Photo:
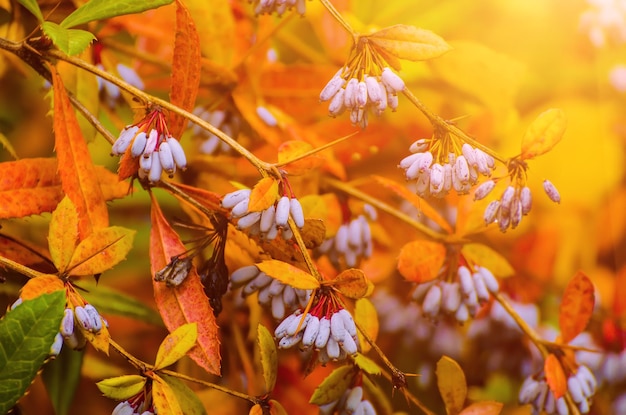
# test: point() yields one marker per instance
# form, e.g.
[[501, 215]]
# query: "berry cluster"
[[224, 120], [357, 92], [333, 333], [461, 297], [580, 385], [352, 241], [350, 403], [150, 139], [438, 167], [278, 6], [134, 407], [271, 292], [268, 222]]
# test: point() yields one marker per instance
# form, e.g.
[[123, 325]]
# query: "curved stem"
[[228, 391], [140, 365], [339, 18], [19, 268]]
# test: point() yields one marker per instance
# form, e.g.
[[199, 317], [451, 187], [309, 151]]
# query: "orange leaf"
[[291, 150], [63, 233], [263, 195], [415, 200], [101, 251], [409, 42], [420, 260], [79, 179], [23, 253], [288, 274], [41, 285], [185, 68], [483, 408], [544, 133], [210, 200], [186, 303], [352, 283], [128, 166], [555, 376], [576, 306], [325, 207]]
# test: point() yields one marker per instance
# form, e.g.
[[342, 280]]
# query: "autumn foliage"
[[312, 206]]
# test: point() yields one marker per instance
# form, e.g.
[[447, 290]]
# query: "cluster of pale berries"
[[111, 90], [157, 149], [86, 317], [436, 177], [461, 298], [360, 94], [333, 334], [352, 241], [605, 22], [223, 120], [267, 222], [271, 292], [613, 368], [514, 203], [129, 408], [278, 6], [581, 387], [350, 403]]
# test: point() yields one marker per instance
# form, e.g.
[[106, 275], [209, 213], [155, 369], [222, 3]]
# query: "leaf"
[[263, 194], [104, 9], [216, 29], [366, 315], [78, 175], [122, 388], [352, 283], [269, 357], [415, 200], [33, 7], [61, 377], [452, 385], [257, 409], [176, 345], [419, 261], [23, 253], [290, 150], [555, 376], [334, 386], [276, 408], [188, 400], [409, 42], [165, 400], [325, 207], [84, 86], [484, 256], [483, 408], [576, 306], [45, 284], [63, 233], [100, 340], [367, 365], [27, 332], [101, 250], [185, 68], [70, 41], [186, 303], [4, 141], [544, 133], [288, 274]]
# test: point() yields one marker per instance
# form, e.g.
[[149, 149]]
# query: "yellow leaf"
[[352, 283], [334, 386], [409, 42], [101, 250], [121, 388], [452, 385], [269, 357], [216, 28], [190, 403], [276, 408], [63, 233], [555, 377], [164, 398], [483, 408], [256, 410], [288, 274], [544, 133], [100, 340], [419, 261], [263, 195], [176, 345], [367, 365], [325, 207], [484, 256], [366, 316]]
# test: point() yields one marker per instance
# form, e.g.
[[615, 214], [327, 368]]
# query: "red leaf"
[[186, 303], [576, 307], [24, 254], [79, 179], [555, 376], [185, 67]]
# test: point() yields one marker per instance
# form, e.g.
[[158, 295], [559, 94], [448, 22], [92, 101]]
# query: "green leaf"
[[122, 388], [110, 301], [269, 356], [189, 402], [70, 41], [33, 7], [104, 9], [61, 377], [333, 387], [26, 334]]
